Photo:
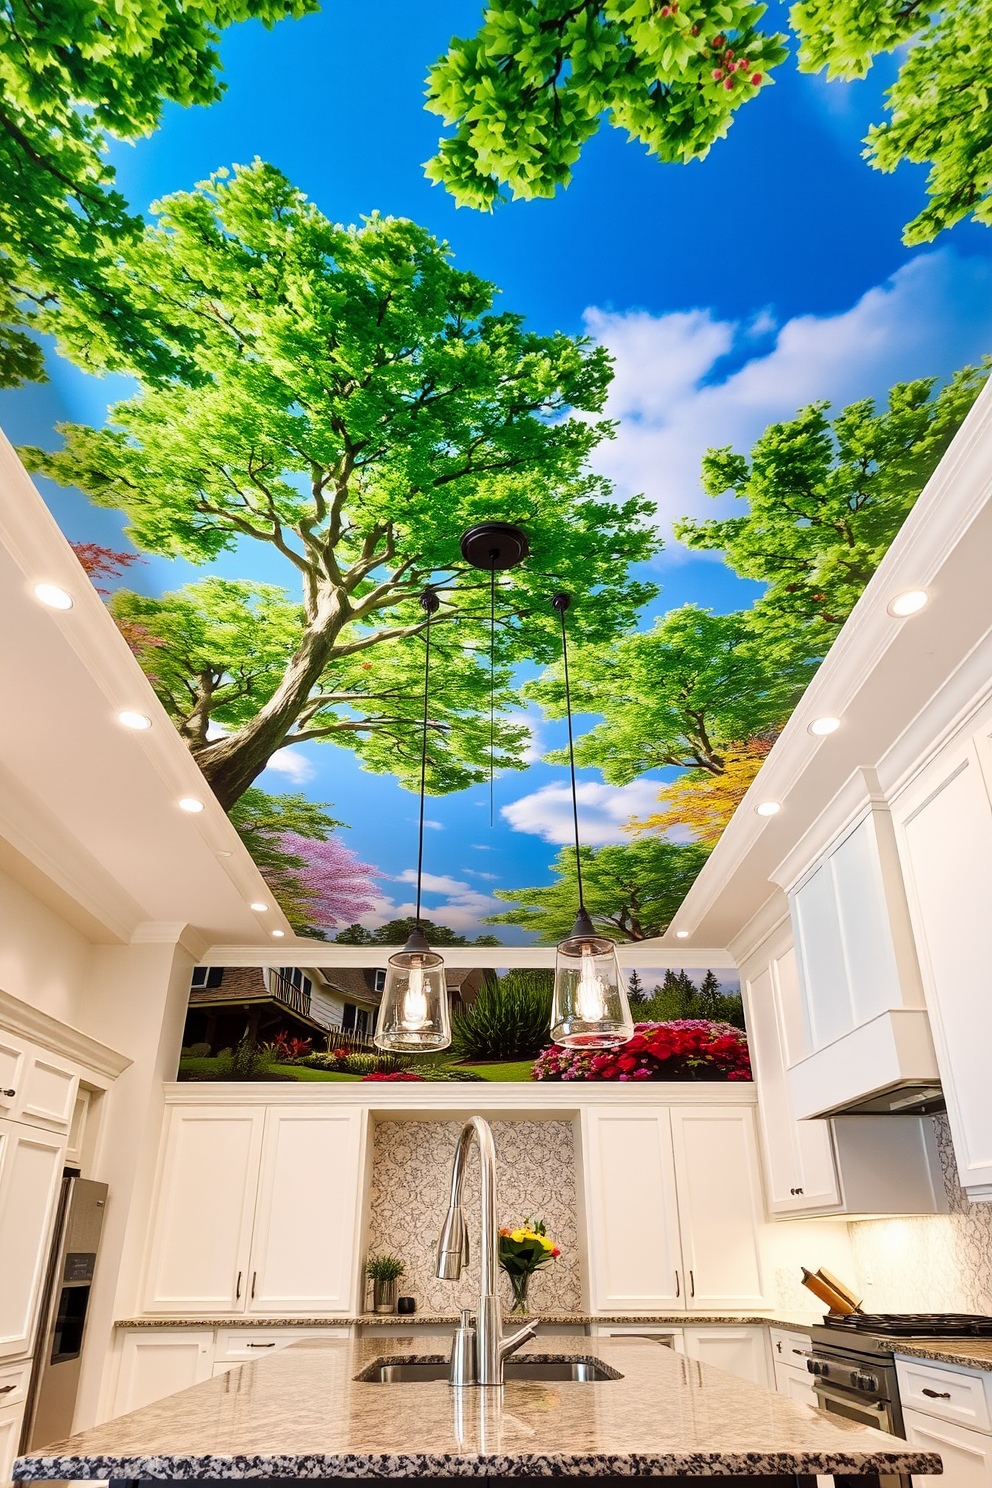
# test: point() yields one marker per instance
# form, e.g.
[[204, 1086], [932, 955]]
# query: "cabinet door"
[[201, 1227], [306, 1220], [798, 1155], [634, 1257], [49, 1091], [160, 1362], [796, 1383], [14, 1058], [31, 1164], [966, 1455], [720, 1209], [947, 837], [740, 1351], [11, 1421]]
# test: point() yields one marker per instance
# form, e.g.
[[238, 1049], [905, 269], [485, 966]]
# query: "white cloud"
[[603, 809], [460, 906], [433, 883], [291, 763], [932, 316], [473, 873]]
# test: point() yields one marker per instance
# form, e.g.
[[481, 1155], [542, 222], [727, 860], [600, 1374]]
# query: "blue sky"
[[730, 291]]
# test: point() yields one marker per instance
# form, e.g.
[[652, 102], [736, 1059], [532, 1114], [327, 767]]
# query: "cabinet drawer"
[[789, 1348], [966, 1456], [14, 1383], [948, 1394], [239, 1345], [11, 1421]]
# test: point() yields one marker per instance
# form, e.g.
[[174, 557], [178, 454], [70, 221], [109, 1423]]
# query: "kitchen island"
[[306, 1412]]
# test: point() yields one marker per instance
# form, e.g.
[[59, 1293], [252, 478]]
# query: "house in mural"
[[326, 1006]]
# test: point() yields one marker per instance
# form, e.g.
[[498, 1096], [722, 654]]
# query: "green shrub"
[[358, 1063], [444, 1072], [510, 1018]]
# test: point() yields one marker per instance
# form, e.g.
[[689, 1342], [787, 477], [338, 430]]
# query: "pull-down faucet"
[[452, 1253]]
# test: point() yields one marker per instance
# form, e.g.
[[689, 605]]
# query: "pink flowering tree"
[[332, 885]]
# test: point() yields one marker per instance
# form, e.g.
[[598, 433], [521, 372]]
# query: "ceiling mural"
[[284, 322]]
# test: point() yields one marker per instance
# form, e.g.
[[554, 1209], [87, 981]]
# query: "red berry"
[[717, 74], [729, 83], [718, 41], [728, 54], [695, 31], [756, 78], [665, 10]]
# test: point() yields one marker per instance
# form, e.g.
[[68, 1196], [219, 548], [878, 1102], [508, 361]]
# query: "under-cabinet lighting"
[[824, 725], [190, 803], [909, 603], [52, 596], [768, 808], [258, 908], [134, 720]]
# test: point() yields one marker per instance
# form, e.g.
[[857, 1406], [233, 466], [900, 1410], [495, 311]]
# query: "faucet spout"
[[452, 1252]]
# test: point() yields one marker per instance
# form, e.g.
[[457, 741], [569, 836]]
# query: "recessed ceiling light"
[[278, 934], [134, 720], [910, 603], [768, 808], [52, 596], [259, 908], [222, 852], [190, 803], [682, 934], [824, 725]]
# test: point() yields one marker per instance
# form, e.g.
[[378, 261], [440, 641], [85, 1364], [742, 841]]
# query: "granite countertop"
[[392, 1319], [302, 1413], [970, 1353]]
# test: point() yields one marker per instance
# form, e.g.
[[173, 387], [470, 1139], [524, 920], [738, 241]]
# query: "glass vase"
[[384, 1296], [519, 1283]]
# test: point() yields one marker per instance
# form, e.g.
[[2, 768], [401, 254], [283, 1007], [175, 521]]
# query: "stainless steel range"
[[853, 1366]]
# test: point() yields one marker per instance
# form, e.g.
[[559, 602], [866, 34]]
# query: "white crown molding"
[[768, 921], [59, 1038], [546, 1099], [152, 932], [636, 955]]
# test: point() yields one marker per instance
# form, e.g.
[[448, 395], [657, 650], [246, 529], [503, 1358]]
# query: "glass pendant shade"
[[589, 1009], [414, 1017]]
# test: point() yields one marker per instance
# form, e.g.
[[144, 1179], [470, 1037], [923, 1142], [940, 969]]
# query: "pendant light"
[[414, 1016], [589, 1009]]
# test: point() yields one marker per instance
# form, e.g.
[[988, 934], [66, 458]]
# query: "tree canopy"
[[527, 91], [631, 891], [682, 693], [824, 501], [349, 399], [73, 72], [398, 932]]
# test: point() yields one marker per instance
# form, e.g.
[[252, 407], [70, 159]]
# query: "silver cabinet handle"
[[801, 1352], [678, 1289], [936, 1394], [237, 1291]]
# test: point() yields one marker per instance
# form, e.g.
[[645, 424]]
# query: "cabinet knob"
[[795, 1191], [9, 1093]]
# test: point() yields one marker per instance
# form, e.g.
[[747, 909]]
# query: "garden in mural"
[[267, 375]]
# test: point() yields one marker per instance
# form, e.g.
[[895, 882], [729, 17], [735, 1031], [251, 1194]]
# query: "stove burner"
[[914, 1324]]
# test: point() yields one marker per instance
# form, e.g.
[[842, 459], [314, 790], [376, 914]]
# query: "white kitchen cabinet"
[[31, 1164], [720, 1208], [630, 1192], [741, 1351], [945, 829], [800, 1172], [160, 1361], [687, 1180], [36, 1087], [11, 1422], [257, 1211], [966, 1455], [797, 1384], [306, 1215]]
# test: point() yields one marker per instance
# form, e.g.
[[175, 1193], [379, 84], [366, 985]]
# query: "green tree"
[[262, 823], [398, 932], [352, 402], [530, 88], [679, 997], [824, 501], [635, 989], [527, 91], [631, 890], [73, 72], [679, 694], [509, 1019]]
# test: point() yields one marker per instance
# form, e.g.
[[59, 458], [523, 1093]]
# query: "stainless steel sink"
[[513, 1369]]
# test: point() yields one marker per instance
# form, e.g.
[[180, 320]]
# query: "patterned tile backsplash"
[[942, 1263], [411, 1175]]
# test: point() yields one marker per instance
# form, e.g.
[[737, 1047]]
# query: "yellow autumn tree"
[[703, 802]]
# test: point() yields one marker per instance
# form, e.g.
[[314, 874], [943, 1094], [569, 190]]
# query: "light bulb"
[[591, 995], [414, 1014]]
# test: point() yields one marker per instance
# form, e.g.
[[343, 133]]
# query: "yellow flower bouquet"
[[521, 1252]]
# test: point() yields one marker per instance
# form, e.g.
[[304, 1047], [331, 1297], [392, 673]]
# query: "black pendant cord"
[[429, 602], [492, 692], [561, 603]]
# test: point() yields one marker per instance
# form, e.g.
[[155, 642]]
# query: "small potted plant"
[[384, 1271], [522, 1252]]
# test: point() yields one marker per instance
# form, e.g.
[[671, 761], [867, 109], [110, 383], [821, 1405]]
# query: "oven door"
[[865, 1409]]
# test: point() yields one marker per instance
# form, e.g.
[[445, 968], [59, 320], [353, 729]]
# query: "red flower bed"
[[395, 1075], [685, 1049]]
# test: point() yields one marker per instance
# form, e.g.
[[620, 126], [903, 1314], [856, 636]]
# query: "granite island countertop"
[[302, 1413]]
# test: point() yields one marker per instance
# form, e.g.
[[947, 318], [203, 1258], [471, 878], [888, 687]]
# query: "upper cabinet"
[[35, 1086], [256, 1211], [861, 995], [673, 1198], [944, 821]]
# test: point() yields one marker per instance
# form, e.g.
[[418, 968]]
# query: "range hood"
[[886, 1067]]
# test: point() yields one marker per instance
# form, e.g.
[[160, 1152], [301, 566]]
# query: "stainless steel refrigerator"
[[62, 1320]]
